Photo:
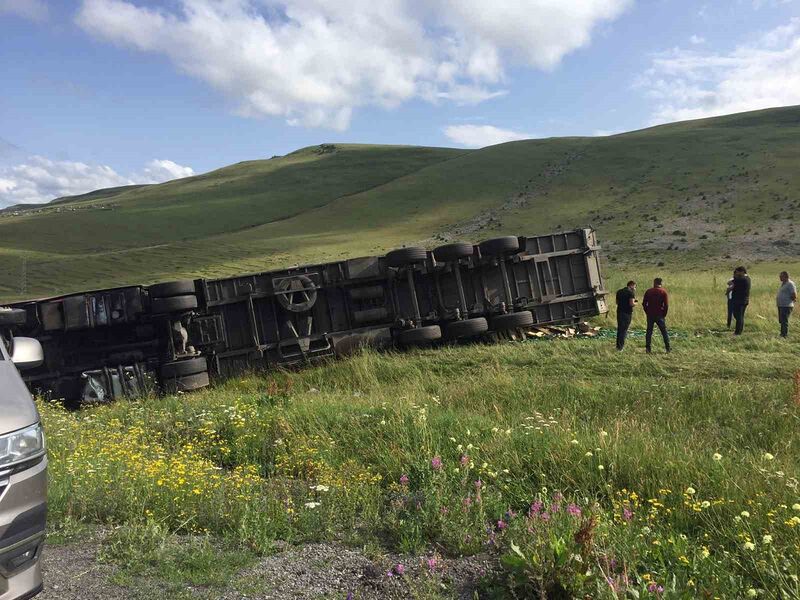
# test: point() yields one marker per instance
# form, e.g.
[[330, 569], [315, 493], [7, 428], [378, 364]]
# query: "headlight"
[[21, 445]]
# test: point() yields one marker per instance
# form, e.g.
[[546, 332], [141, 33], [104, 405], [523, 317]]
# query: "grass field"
[[583, 471], [693, 193]]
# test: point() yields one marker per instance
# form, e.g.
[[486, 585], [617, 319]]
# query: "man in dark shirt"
[[656, 305], [626, 300], [740, 294]]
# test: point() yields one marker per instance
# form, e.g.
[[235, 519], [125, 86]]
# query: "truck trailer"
[[178, 336]]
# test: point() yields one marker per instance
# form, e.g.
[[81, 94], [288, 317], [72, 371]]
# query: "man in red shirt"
[[656, 305]]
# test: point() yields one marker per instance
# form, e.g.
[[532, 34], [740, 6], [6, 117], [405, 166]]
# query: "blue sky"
[[107, 92]]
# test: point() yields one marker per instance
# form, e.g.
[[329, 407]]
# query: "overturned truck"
[[177, 336]]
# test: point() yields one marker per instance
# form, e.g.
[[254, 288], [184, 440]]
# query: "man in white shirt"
[[787, 296]]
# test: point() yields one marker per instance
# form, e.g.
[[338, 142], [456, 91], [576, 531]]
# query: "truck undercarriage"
[[178, 336]]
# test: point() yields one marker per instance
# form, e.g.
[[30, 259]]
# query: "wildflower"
[[399, 569], [717, 456], [767, 539], [535, 509], [705, 504], [600, 468], [436, 463], [749, 546], [404, 479], [751, 593], [627, 514], [690, 491], [478, 484], [574, 442], [745, 514], [768, 456], [589, 454], [795, 506], [464, 460], [603, 433], [501, 525], [431, 563], [320, 488], [312, 504], [654, 588], [574, 510]]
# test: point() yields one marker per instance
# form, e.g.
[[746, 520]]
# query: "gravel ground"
[[313, 571]]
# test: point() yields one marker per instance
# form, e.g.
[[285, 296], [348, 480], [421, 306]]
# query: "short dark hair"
[[657, 281], [741, 269], [785, 273], [630, 283]]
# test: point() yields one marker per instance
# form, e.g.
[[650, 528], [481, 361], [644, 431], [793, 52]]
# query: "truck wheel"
[[162, 306], [466, 329], [450, 252], [186, 383], [172, 288], [181, 368], [499, 246], [419, 336], [515, 320], [406, 256], [9, 317]]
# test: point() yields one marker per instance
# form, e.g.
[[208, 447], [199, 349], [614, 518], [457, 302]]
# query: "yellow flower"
[[705, 504], [749, 546], [745, 514], [690, 491], [717, 456], [768, 456], [767, 539], [751, 593], [795, 506]]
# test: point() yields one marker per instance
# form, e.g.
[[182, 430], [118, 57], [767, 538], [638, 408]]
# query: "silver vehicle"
[[23, 467]]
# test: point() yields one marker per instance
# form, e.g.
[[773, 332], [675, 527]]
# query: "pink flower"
[[467, 501], [432, 563], [464, 460], [574, 510], [627, 514], [478, 484], [404, 479], [501, 525], [436, 463], [535, 509], [545, 516], [399, 569]]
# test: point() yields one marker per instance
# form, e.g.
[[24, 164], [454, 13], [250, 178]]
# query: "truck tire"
[[499, 246], [419, 336], [186, 383], [181, 368], [9, 317], [515, 320], [406, 256], [451, 252], [172, 288], [466, 329], [162, 306]]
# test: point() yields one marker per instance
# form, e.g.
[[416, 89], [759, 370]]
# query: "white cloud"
[[688, 84], [34, 10], [313, 62], [478, 136], [40, 179], [697, 40]]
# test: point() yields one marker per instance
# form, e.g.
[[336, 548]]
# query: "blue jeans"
[[783, 319]]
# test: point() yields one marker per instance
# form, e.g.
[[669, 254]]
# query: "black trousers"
[[738, 314], [730, 311], [623, 323], [662, 327], [783, 319]]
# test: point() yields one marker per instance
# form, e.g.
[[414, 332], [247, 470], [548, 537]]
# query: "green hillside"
[[714, 190]]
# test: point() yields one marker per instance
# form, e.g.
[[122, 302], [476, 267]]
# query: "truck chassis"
[[177, 336]]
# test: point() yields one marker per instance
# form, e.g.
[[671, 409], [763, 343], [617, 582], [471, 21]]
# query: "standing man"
[[741, 297], [656, 305], [787, 296], [626, 300], [729, 295]]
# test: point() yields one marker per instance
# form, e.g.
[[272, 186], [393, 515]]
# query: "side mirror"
[[27, 354]]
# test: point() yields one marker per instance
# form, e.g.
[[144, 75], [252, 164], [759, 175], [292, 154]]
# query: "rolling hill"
[[711, 191]]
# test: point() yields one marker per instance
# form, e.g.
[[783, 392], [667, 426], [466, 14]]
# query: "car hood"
[[17, 409]]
